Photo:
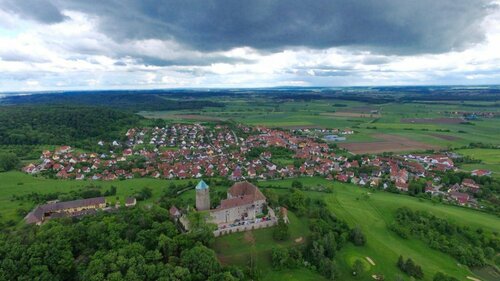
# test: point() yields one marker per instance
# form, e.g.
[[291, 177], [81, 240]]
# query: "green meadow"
[[17, 183], [255, 246], [490, 159]]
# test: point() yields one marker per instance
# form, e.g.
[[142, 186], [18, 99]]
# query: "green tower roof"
[[201, 185]]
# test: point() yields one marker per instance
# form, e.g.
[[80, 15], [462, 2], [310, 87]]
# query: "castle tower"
[[202, 196]]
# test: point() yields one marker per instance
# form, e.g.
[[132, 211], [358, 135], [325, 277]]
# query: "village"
[[183, 151]]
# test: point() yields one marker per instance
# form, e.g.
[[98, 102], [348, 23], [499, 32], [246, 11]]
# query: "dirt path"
[[370, 260], [473, 279]]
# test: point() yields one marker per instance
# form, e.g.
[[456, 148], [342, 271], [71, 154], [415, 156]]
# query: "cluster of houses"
[[471, 115], [400, 170], [183, 151], [319, 132], [329, 135], [190, 151]]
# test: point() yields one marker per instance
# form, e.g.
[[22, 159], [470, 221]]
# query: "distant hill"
[[79, 126], [130, 100]]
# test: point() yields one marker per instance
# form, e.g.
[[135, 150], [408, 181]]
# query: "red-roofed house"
[[481, 173], [461, 198], [471, 185]]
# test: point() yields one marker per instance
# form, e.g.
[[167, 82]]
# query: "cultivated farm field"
[[427, 125]]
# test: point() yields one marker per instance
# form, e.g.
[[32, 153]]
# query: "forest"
[[63, 125], [129, 100], [131, 244], [472, 247]]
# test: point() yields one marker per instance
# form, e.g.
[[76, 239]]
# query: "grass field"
[[374, 212], [490, 159], [17, 183], [240, 248], [384, 247]]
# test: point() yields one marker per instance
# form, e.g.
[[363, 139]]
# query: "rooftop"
[[201, 185], [241, 193]]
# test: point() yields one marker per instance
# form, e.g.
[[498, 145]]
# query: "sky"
[[151, 44]]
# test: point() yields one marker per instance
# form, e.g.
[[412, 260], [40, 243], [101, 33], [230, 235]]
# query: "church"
[[245, 202]]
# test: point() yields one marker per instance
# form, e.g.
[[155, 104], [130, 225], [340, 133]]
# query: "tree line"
[[472, 247], [133, 101]]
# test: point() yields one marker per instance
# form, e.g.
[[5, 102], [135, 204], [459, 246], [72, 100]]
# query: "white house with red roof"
[[481, 173]]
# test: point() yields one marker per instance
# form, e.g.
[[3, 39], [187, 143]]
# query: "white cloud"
[[73, 54]]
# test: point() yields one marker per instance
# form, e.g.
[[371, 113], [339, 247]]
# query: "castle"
[[245, 202]]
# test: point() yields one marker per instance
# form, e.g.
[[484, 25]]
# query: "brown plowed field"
[[387, 143]]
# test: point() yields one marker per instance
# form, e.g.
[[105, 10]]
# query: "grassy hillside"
[[371, 211], [17, 183], [241, 248], [375, 212], [490, 159]]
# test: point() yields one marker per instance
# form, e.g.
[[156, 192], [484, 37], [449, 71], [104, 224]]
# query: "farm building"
[[74, 208]]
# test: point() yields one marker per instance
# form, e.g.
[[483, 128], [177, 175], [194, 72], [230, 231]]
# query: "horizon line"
[[244, 88]]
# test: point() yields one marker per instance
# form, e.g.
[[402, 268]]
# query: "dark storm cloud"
[[321, 71], [20, 57], [198, 61], [39, 10], [375, 60], [386, 26]]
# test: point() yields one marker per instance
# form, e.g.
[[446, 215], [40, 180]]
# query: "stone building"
[[202, 196], [244, 202]]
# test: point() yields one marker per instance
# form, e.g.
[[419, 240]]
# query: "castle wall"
[[246, 212], [240, 228]]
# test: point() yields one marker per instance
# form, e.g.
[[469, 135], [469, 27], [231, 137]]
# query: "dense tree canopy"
[[8, 161], [128, 100], [135, 244], [62, 125], [469, 246]]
